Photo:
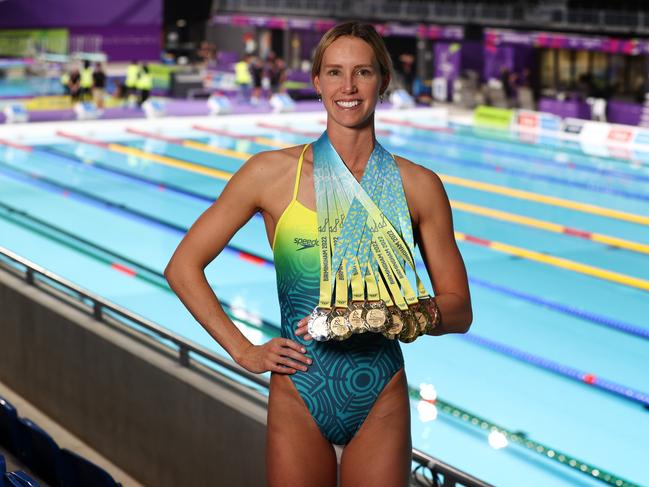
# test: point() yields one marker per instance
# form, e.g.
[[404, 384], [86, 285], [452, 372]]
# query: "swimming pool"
[[555, 242]]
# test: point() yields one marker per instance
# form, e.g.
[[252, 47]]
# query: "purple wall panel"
[[496, 58], [624, 112], [124, 43], [566, 108], [68, 13], [473, 56]]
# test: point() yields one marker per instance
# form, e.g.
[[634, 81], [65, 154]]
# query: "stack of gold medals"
[[358, 239]]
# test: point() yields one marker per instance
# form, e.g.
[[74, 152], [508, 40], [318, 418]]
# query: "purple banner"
[[321, 25], [447, 60], [69, 13], [556, 40], [120, 43], [624, 112], [565, 108], [448, 57], [497, 58]]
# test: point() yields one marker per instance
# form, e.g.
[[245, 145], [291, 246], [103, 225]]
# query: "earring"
[[319, 97], [381, 98]]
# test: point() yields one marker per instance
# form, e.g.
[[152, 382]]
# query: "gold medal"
[[376, 315], [318, 326], [410, 328], [430, 305], [355, 317], [339, 324], [421, 317], [395, 323]]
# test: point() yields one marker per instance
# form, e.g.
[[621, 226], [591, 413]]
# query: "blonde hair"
[[365, 32]]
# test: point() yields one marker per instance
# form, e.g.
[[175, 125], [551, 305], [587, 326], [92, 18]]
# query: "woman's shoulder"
[[271, 163], [270, 175], [416, 174], [424, 189]]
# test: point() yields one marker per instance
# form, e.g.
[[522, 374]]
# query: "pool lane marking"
[[561, 369], [547, 200], [555, 261], [510, 150], [191, 144], [39, 180], [523, 220], [273, 126], [572, 311], [483, 211], [16, 145], [556, 367], [252, 138], [519, 193], [96, 165], [550, 226], [168, 161], [514, 193], [406, 123], [528, 254]]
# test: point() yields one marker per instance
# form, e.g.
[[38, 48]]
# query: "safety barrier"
[[428, 471]]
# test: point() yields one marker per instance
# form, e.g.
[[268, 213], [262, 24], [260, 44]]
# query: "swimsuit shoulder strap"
[[298, 172]]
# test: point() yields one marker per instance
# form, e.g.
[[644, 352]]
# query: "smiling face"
[[350, 82]]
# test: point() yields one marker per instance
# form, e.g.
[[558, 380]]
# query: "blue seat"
[[3, 471], [20, 479], [9, 427], [41, 454], [84, 473]]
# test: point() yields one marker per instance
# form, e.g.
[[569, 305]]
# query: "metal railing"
[[427, 473]]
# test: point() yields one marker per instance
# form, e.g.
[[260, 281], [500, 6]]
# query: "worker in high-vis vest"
[[65, 82], [132, 74], [144, 84], [243, 78], [130, 83], [86, 81]]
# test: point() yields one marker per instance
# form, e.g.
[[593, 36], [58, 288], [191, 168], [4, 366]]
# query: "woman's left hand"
[[302, 328]]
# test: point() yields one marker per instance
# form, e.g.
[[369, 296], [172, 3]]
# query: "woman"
[[352, 391]]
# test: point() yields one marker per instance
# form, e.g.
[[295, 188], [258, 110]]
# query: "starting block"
[[219, 104], [86, 111], [16, 113], [281, 102], [154, 108]]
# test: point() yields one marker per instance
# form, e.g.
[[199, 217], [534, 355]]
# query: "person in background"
[[276, 73], [243, 79], [144, 85], [74, 85], [407, 71], [132, 74], [98, 85], [86, 81], [65, 82], [257, 71]]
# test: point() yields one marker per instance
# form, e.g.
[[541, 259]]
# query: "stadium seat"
[[41, 453], [20, 479], [9, 427], [85, 473]]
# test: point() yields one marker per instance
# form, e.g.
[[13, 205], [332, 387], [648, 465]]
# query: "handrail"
[[99, 305]]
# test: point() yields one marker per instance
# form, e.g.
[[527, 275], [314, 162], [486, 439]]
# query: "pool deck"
[[196, 108]]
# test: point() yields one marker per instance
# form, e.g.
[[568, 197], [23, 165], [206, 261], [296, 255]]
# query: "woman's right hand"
[[279, 355]]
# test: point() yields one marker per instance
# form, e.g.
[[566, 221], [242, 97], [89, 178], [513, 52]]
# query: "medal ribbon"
[[364, 214]]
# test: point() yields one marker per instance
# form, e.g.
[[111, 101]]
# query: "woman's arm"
[[432, 218], [239, 201]]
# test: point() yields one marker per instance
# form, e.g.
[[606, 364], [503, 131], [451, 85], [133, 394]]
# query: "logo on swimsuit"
[[306, 243]]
